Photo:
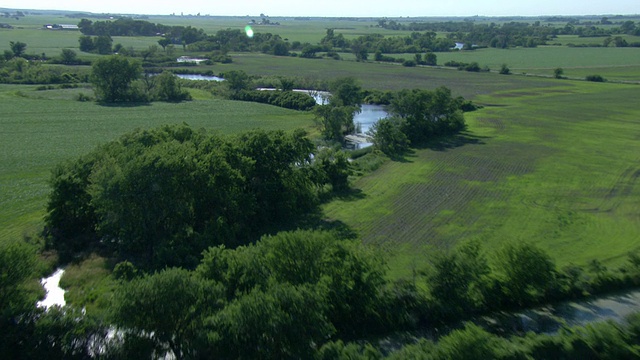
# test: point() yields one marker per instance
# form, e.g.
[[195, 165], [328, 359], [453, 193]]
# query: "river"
[[550, 318], [547, 319], [368, 115], [54, 293], [199, 77]]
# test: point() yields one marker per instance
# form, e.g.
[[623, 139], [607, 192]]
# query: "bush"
[[83, 97], [409, 63], [595, 78], [286, 99], [473, 67]]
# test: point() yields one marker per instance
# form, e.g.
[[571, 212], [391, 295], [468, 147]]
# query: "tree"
[[504, 70], [86, 43], [558, 73], [528, 272], [280, 322], [236, 80], [427, 113], [431, 59], [68, 57], [164, 42], [388, 136], [471, 342], [457, 281], [169, 89], [628, 27], [112, 78], [346, 92], [17, 262], [17, 48], [333, 168], [309, 51], [169, 308], [335, 121], [102, 44]]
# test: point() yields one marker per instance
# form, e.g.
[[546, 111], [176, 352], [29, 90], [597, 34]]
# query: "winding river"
[[54, 293]]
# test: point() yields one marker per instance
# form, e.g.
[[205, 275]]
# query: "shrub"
[[409, 63], [595, 78]]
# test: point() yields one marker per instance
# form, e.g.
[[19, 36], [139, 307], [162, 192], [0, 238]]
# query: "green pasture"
[[558, 167], [39, 129], [382, 76], [549, 161], [618, 63]]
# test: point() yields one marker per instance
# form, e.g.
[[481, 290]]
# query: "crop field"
[[615, 63], [550, 161], [382, 76], [558, 167], [39, 129]]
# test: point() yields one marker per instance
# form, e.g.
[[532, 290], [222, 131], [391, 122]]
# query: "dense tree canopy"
[[162, 196], [113, 77]]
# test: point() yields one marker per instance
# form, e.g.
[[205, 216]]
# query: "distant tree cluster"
[[513, 33], [418, 116], [335, 119], [17, 70], [119, 79], [102, 44], [311, 294]]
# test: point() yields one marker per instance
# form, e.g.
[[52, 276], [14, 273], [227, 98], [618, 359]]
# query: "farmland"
[[536, 201], [557, 167], [43, 128], [546, 160]]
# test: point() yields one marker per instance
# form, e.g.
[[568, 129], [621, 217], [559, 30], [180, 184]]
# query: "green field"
[[39, 129], [614, 63], [550, 161], [558, 167]]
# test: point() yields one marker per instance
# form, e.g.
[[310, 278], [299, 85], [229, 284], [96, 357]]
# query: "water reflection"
[[199, 77], [55, 294]]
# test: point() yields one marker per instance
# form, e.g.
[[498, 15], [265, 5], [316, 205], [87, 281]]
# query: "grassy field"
[[558, 167], [549, 161], [617, 63], [39, 129], [382, 76]]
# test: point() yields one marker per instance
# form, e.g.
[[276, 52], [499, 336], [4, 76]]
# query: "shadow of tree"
[[123, 104], [318, 221], [445, 143]]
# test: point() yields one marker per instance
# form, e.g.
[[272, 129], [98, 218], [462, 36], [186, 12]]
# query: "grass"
[[558, 168], [383, 76], [549, 161], [615, 63], [39, 129], [90, 284]]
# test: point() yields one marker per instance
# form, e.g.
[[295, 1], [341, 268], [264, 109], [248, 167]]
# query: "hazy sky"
[[334, 8]]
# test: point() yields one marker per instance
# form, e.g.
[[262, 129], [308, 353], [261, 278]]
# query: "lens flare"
[[249, 31]]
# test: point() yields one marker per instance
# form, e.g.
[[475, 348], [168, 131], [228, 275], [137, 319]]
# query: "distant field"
[[383, 76], [616, 63], [550, 161], [39, 129], [559, 167]]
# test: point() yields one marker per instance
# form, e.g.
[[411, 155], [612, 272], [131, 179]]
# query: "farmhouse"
[[61, 27]]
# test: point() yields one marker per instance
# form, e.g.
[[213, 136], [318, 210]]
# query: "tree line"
[[160, 197], [313, 294], [512, 33]]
